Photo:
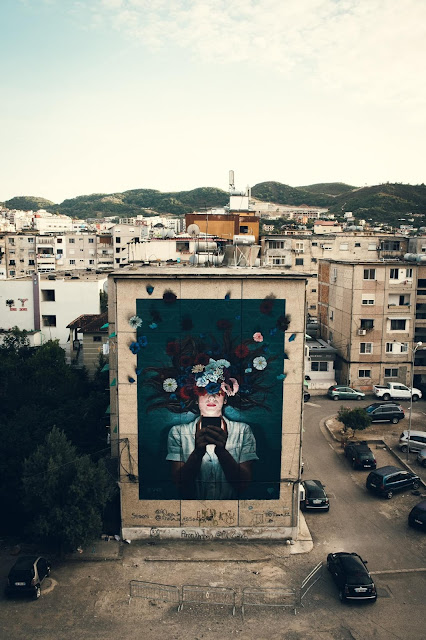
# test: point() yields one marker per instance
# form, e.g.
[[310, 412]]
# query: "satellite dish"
[[193, 230]]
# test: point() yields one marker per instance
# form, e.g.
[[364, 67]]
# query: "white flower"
[[135, 322], [202, 381], [169, 385], [197, 368], [260, 363], [223, 363]]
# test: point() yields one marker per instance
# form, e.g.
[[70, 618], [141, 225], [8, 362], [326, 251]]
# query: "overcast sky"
[[110, 95]]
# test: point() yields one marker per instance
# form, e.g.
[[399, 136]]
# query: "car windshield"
[[22, 575], [314, 490]]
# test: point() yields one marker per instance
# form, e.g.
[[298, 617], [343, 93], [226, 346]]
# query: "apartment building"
[[49, 302], [302, 252], [367, 310]]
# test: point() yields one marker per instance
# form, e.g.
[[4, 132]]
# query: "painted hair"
[[200, 365]]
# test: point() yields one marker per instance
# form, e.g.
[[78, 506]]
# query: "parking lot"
[[88, 596]]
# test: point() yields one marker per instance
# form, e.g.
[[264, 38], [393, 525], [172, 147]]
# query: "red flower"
[[185, 393], [223, 324], [202, 358], [185, 361], [266, 307], [200, 391], [242, 351], [172, 348]]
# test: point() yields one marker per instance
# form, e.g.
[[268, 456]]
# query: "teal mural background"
[[164, 322]]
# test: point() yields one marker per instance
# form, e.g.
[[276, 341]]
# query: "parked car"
[[421, 457], [313, 496], [385, 412], [340, 392], [386, 480], [417, 440], [26, 576], [396, 390], [417, 516], [360, 455], [351, 576]]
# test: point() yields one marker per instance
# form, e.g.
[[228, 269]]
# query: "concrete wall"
[[192, 518]]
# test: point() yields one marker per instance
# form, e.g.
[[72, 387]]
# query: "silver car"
[[421, 457]]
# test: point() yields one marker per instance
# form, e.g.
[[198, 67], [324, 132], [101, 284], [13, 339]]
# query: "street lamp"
[[418, 345]]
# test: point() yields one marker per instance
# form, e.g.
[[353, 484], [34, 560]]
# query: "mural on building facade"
[[210, 397]]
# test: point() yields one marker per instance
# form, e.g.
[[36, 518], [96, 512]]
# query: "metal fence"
[[154, 591], [195, 594], [271, 597]]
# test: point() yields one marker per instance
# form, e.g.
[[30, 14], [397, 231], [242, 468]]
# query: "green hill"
[[283, 194], [384, 203], [328, 188], [29, 203]]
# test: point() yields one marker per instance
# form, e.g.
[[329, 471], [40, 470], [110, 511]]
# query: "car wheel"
[[37, 592], [48, 572], [424, 463], [395, 420], [341, 596], [389, 494], [386, 396], [359, 397], [416, 484], [335, 398], [353, 463], [404, 448], [415, 397]]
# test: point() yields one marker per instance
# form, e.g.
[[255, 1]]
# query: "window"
[[344, 246], [273, 244], [59, 240], [394, 274], [48, 295], [299, 261], [277, 261], [30, 239], [367, 324], [97, 338], [369, 274], [72, 261], [391, 373], [313, 290], [31, 263], [372, 246], [409, 273], [331, 315], [49, 321], [397, 347], [319, 366], [366, 347], [91, 240], [398, 325], [118, 240], [367, 298], [59, 251], [118, 250], [300, 246], [244, 229], [315, 244], [364, 373], [390, 245], [357, 244], [71, 240], [91, 262], [12, 263]]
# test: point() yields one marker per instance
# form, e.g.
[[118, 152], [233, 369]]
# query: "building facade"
[[174, 331]]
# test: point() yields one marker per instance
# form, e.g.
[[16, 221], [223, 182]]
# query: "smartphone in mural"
[[214, 422]]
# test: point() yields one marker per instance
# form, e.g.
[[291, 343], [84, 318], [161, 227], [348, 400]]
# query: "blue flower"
[[153, 325], [172, 396], [273, 331], [143, 341], [131, 380], [292, 337], [248, 370], [213, 388], [282, 376], [135, 347]]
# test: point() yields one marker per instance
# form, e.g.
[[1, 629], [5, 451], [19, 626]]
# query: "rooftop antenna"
[[231, 181]]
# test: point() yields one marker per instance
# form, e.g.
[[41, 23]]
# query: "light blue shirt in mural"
[[211, 483]]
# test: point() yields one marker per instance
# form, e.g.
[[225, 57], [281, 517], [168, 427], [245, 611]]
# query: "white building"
[[49, 302]]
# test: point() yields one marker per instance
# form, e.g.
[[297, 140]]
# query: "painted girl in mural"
[[211, 455]]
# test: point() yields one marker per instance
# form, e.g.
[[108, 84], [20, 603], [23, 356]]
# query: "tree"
[[355, 419], [65, 494]]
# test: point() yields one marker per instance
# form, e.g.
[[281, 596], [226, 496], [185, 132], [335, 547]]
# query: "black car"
[[386, 480], [385, 412], [306, 396], [351, 576], [26, 576], [313, 496], [360, 454], [417, 516]]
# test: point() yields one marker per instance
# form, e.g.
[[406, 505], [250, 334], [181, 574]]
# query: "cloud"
[[372, 49]]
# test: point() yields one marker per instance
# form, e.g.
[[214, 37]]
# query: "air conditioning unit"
[[362, 332]]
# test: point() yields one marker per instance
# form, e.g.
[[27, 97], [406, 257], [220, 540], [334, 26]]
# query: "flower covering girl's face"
[[211, 405]]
